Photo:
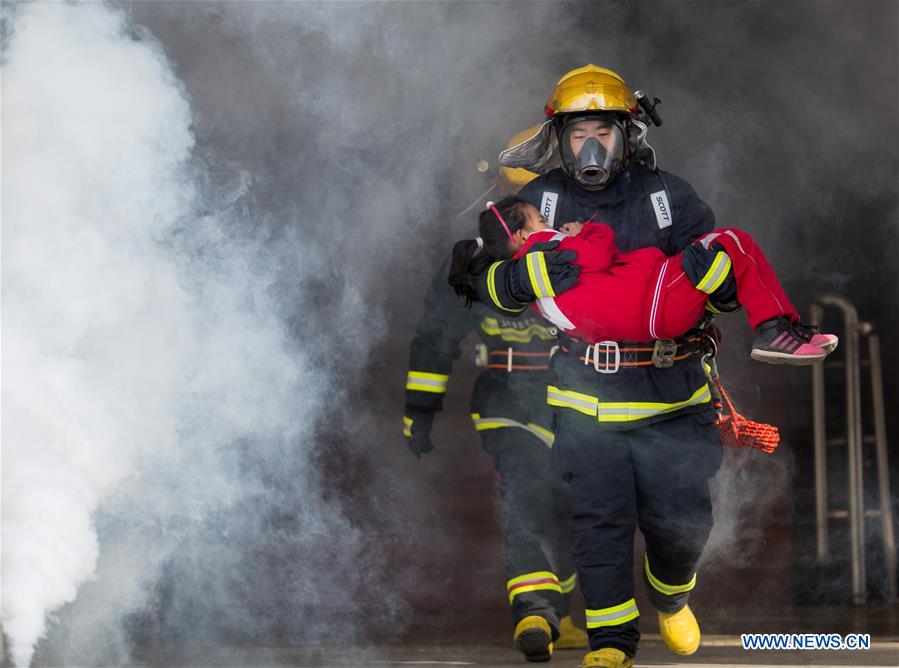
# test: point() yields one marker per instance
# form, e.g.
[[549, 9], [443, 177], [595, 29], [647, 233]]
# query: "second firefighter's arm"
[[436, 345]]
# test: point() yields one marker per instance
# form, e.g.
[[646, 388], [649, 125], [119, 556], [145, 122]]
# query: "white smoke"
[[135, 339]]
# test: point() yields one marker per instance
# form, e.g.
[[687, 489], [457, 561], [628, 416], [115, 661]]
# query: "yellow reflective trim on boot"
[[568, 585], [537, 581], [570, 636], [617, 614], [534, 638], [663, 588], [680, 631], [407, 426], [607, 657]]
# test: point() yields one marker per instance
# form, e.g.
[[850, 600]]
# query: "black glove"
[[417, 431], [542, 272], [697, 261]]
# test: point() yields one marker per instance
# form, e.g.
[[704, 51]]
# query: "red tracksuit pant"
[[680, 304]]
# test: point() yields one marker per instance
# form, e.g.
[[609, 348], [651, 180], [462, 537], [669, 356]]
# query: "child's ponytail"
[[459, 276], [496, 225]]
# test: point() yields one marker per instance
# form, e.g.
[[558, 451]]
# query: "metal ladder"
[[854, 441]]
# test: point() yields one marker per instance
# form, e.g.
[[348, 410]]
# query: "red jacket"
[[615, 290]]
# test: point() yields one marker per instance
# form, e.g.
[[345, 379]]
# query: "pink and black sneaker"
[[777, 342], [811, 334]]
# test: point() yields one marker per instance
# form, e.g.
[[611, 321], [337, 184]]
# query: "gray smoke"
[[218, 220]]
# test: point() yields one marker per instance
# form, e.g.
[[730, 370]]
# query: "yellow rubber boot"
[[570, 636], [680, 631], [534, 638], [607, 657]]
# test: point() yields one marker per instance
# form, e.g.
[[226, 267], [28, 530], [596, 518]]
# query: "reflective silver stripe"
[[619, 411], [551, 311], [482, 424], [613, 616], [565, 399], [716, 274], [537, 272]]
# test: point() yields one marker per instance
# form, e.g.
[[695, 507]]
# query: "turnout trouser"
[[655, 478], [511, 415], [540, 574]]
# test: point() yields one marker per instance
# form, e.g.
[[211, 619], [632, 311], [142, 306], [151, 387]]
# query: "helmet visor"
[[593, 150]]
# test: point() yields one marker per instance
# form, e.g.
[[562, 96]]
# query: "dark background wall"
[[356, 128]]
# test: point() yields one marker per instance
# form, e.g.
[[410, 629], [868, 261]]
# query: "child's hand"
[[572, 229]]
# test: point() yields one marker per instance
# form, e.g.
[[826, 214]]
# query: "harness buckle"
[[663, 353], [612, 356]]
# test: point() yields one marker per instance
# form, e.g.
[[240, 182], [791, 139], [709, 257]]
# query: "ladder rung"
[[841, 440], [843, 514]]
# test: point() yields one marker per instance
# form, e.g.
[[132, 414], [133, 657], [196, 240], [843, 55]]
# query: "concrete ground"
[[715, 652]]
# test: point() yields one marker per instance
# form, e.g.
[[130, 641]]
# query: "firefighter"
[[636, 443], [509, 411]]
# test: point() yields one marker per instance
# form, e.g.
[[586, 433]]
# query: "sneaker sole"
[[784, 358], [534, 644]]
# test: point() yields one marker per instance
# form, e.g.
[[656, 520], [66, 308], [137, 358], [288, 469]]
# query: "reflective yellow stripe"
[[538, 275], [660, 586], [621, 411], [407, 426], [544, 274], [538, 581], [492, 328], [491, 288], [618, 614], [709, 307], [568, 585], [427, 382], [483, 424], [548, 436], [570, 399], [716, 274]]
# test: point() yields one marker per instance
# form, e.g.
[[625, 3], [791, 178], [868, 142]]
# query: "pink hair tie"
[[505, 227]]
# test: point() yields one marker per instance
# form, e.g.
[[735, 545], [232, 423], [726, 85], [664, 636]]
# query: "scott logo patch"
[[548, 207], [662, 208]]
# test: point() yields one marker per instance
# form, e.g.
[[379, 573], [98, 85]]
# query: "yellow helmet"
[[591, 88], [516, 177], [591, 95]]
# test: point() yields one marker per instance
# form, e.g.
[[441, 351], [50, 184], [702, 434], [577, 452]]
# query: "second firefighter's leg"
[[535, 594], [673, 462], [598, 467], [570, 636]]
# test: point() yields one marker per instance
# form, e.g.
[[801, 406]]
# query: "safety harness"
[[610, 356]]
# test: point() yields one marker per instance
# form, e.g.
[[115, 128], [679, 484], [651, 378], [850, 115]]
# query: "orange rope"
[[740, 432]]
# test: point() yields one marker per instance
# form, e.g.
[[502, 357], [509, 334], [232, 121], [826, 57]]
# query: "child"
[[644, 295]]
